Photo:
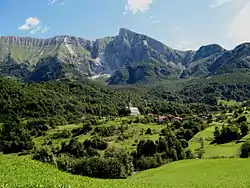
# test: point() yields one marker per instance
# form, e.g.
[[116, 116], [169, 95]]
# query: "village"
[[134, 111]]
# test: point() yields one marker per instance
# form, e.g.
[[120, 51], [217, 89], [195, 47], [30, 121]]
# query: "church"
[[134, 111]]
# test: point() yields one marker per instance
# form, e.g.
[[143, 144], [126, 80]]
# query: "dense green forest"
[[31, 111], [72, 100]]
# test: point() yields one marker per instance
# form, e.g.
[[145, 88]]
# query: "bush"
[[90, 152], [122, 156], [37, 126], [245, 149], [242, 119], [45, 155], [244, 129], [148, 131], [15, 138], [189, 154], [65, 163], [184, 143], [63, 134], [201, 153], [83, 130], [226, 134], [146, 148], [73, 148], [56, 121], [145, 163], [106, 131], [100, 168], [96, 144]]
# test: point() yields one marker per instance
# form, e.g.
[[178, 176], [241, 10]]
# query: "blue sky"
[[181, 24]]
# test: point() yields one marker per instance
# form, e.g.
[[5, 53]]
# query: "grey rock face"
[[78, 56]]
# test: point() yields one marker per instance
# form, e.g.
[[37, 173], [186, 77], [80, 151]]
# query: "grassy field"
[[219, 150], [134, 131], [211, 150], [23, 172]]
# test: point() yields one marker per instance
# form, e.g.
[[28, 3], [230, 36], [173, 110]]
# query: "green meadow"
[[229, 173]]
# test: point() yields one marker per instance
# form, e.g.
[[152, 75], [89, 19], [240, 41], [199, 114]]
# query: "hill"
[[127, 58], [23, 172]]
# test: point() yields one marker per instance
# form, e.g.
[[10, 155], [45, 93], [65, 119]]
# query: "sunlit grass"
[[24, 172]]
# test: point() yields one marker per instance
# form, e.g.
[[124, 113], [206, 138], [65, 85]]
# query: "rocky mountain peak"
[[71, 56], [125, 32], [208, 50], [242, 47]]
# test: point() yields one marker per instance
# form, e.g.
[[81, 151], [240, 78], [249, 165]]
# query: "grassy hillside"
[[132, 133], [23, 172], [219, 150], [212, 150], [102, 144]]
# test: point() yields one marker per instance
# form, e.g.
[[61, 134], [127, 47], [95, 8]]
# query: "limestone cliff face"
[[131, 55]]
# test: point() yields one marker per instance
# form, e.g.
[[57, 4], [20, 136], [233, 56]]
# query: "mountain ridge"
[[128, 51]]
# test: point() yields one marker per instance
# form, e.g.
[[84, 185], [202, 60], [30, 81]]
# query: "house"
[[162, 119]]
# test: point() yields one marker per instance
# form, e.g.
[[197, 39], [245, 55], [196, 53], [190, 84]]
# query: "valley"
[[65, 121], [124, 94]]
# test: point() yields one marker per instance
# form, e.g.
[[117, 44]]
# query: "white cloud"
[[219, 3], [33, 25], [136, 6], [51, 1], [30, 23], [239, 28]]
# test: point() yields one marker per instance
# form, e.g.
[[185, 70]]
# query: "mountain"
[[128, 58]]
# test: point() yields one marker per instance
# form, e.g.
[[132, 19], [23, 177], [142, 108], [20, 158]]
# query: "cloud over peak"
[[33, 25], [30, 23], [136, 6]]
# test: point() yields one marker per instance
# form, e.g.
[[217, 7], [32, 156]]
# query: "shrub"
[[226, 134], [90, 152], [148, 131], [15, 138], [96, 144], [245, 149], [122, 156], [83, 130], [242, 119], [106, 131], [145, 163], [73, 148], [184, 143], [65, 163], [63, 134], [189, 154], [45, 155], [201, 153], [146, 148], [39, 124], [244, 129], [100, 168]]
